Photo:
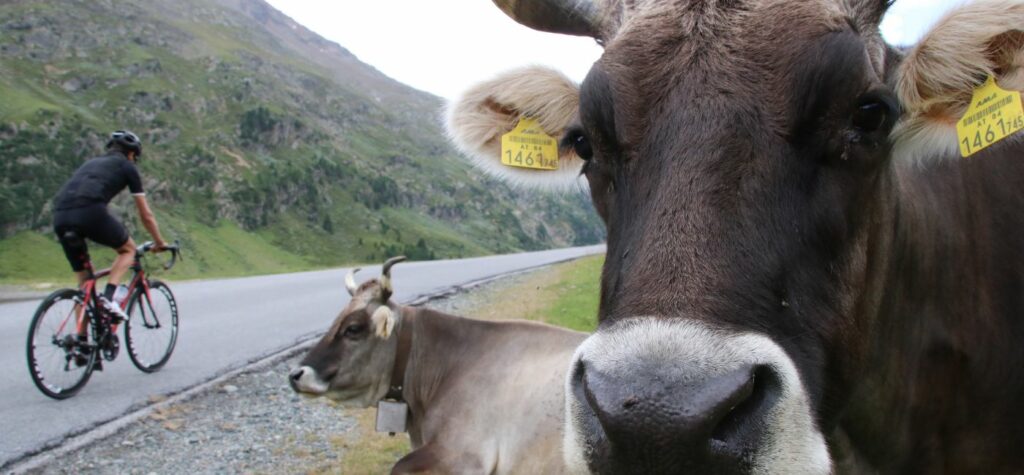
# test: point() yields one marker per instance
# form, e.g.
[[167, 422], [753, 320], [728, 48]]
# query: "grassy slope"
[[282, 208], [35, 258]]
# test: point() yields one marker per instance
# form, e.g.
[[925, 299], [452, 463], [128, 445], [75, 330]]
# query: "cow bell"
[[392, 417]]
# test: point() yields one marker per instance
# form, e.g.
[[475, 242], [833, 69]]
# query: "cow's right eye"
[[355, 330]]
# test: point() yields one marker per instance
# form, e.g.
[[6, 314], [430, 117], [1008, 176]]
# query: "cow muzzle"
[[651, 395], [304, 379]]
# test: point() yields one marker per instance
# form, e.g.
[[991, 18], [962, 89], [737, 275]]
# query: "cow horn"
[[570, 17], [350, 281], [385, 281], [390, 262]]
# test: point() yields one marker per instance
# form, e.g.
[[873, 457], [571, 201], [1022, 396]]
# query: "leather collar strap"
[[401, 356]]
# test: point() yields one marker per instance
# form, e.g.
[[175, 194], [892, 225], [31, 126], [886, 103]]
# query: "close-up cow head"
[[757, 163], [352, 362]]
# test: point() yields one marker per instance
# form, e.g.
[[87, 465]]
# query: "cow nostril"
[[746, 407], [296, 374]]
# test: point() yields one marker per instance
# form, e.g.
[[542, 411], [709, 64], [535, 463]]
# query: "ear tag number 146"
[[993, 115], [528, 146]]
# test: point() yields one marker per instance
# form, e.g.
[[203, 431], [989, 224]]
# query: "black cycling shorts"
[[90, 222]]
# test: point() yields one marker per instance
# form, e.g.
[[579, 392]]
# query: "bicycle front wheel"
[[60, 359], [152, 327]]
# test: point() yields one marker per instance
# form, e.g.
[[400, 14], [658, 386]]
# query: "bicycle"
[[70, 330]]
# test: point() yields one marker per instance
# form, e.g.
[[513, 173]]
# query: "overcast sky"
[[446, 46]]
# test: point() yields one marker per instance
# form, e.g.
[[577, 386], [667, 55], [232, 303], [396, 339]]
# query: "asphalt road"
[[224, 324]]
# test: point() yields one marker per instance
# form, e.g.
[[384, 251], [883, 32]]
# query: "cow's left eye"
[[355, 330], [579, 143]]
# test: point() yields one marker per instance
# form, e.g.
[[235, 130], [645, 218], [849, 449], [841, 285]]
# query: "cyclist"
[[80, 211]]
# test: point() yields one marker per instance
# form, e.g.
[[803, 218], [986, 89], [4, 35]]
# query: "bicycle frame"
[[88, 289]]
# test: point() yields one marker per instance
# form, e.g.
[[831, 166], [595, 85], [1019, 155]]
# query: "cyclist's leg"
[[108, 231], [125, 256]]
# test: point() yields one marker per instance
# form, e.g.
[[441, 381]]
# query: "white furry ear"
[[383, 321], [477, 120], [938, 76]]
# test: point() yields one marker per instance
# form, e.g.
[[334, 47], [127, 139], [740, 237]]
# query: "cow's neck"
[[433, 359], [942, 302]]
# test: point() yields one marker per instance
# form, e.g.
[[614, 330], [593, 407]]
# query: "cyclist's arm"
[[149, 221]]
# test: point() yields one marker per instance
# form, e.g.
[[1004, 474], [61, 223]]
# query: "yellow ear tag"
[[527, 146], [993, 115]]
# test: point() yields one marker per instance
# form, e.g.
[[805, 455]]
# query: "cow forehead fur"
[[748, 48], [659, 35], [367, 294]]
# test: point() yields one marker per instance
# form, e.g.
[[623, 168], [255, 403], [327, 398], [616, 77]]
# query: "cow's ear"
[[938, 76], [383, 322], [477, 120]]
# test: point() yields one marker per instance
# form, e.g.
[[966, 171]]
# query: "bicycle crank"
[[111, 347]]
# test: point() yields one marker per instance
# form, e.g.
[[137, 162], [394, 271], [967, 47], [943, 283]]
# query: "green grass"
[[576, 295], [29, 257], [441, 236], [209, 251], [22, 100], [226, 250]]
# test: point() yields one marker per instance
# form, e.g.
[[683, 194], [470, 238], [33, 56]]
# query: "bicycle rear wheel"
[[60, 360], [152, 327]]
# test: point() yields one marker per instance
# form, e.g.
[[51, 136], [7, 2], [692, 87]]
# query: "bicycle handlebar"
[[175, 249]]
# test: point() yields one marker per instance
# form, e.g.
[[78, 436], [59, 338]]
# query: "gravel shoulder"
[[255, 423]]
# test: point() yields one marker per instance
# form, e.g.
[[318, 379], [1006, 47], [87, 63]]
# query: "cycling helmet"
[[126, 141]]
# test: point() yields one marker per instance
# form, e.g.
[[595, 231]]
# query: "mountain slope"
[[257, 131]]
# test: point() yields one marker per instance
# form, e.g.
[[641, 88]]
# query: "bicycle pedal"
[[98, 365]]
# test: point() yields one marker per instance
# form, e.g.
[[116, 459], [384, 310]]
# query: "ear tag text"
[[993, 115], [528, 146]]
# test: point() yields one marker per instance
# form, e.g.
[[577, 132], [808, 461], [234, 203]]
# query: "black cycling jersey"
[[98, 181]]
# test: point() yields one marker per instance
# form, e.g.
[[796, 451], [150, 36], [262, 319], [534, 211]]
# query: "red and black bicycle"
[[70, 331]]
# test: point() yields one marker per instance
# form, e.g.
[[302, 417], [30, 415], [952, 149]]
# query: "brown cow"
[[483, 396], [802, 274]]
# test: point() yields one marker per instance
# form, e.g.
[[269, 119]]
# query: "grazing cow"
[[483, 396], [802, 273]]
